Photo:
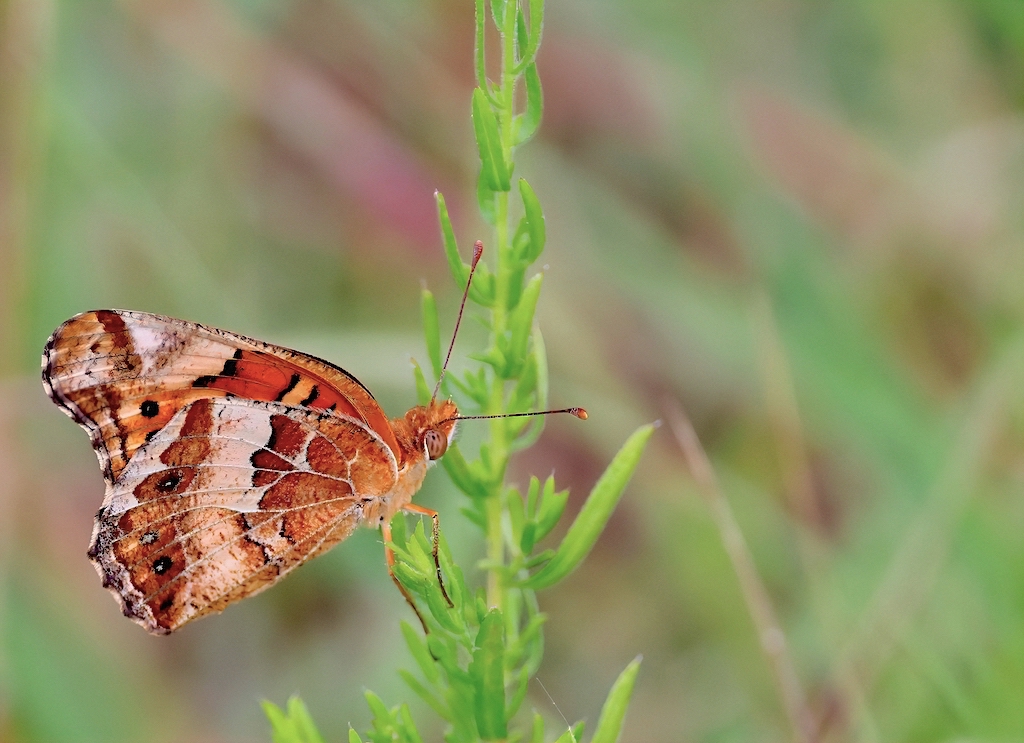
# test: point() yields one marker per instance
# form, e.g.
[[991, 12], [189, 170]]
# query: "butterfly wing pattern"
[[228, 461]]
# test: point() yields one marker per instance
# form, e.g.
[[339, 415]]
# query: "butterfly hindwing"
[[124, 375], [228, 496]]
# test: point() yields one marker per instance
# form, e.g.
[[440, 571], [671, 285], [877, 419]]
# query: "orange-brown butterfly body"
[[228, 461]]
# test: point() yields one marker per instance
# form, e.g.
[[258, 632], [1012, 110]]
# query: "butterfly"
[[228, 461]]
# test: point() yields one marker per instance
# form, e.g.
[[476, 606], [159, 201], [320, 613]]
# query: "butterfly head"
[[427, 430]]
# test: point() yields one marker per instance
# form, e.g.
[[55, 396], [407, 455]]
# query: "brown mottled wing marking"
[[124, 375], [226, 498]]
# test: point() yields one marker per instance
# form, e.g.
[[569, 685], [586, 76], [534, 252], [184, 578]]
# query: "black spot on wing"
[[162, 565]]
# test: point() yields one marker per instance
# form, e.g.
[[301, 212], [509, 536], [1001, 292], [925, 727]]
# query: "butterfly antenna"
[[478, 250], [578, 412]]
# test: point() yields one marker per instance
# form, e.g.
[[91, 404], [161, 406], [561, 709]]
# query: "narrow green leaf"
[[462, 700], [485, 199], [418, 647], [536, 27], [514, 276], [538, 728], [353, 736], [525, 393], [550, 506], [292, 726], [431, 330], [420, 551], [458, 470], [609, 724], [476, 387], [492, 469], [516, 512], [408, 576], [512, 610], [520, 693], [569, 736], [595, 512], [381, 713], [534, 217], [460, 270], [281, 729], [522, 36], [520, 323], [479, 56], [481, 605], [488, 140], [483, 289], [487, 670], [528, 538], [399, 534], [530, 634], [532, 495], [498, 10], [442, 650], [423, 390], [439, 609], [527, 123], [407, 726], [539, 558], [551, 512], [425, 694], [455, 582], [475, 515], [461, 386], [303, 721], [494, 358], [521, 238]]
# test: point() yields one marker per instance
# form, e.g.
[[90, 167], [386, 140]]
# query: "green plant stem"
[[500, 446]]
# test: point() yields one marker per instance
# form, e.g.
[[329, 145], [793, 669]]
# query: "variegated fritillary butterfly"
[[229, 461]]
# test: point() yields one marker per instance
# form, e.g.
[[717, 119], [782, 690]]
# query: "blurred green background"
[[800, 219]]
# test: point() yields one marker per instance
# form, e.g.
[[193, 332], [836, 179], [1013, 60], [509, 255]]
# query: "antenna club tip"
[[478, 250], [579, 413]]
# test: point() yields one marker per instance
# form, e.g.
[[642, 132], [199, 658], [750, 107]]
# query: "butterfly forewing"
[[226, 498], [124, 375]]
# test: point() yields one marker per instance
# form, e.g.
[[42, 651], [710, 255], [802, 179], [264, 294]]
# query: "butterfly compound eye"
[[436, 443]]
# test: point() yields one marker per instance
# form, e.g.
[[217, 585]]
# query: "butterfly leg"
[[436, 518], [389, 555]]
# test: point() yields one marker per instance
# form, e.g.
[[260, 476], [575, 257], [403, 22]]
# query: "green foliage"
[[475, 664], [291, 725], [609, 725], [595, 513]]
